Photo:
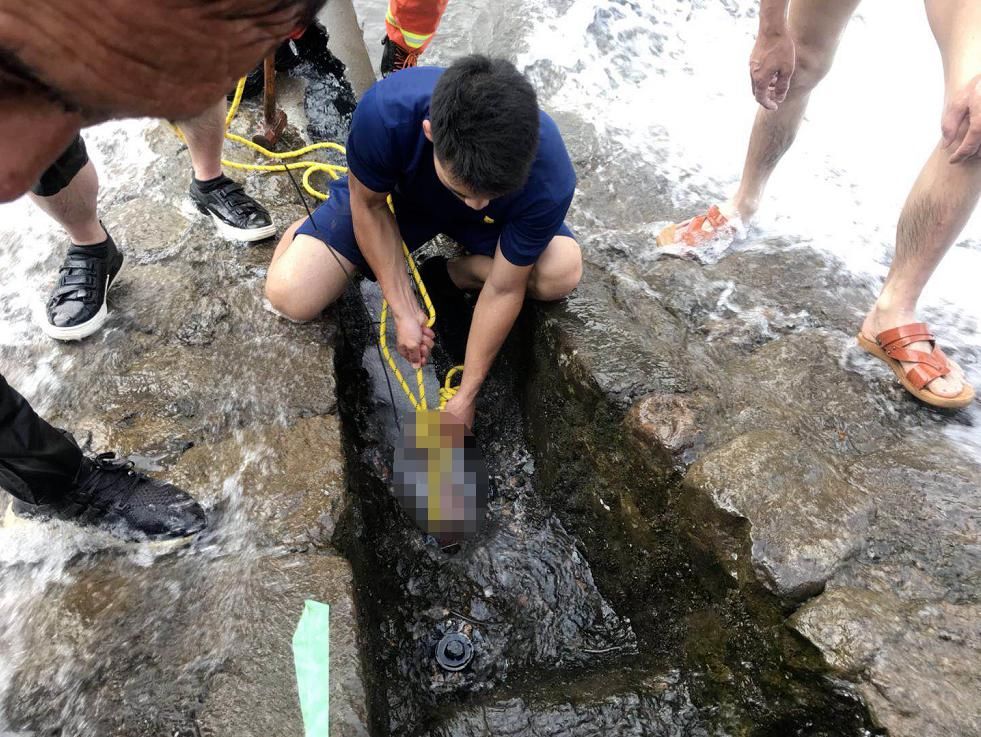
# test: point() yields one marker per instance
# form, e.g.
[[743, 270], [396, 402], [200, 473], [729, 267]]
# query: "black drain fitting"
[[454, 652]]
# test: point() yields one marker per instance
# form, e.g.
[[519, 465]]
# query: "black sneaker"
[[237, 216], [111, 495], [395, 58], [77, 306], [453, 311]]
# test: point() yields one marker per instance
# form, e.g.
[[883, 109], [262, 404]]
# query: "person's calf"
[[73, 203], [205, 137]]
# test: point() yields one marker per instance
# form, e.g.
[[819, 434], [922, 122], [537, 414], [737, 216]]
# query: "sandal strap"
[[922, 373], [928, 366], [694, 230], [904, 334], [715, 217]]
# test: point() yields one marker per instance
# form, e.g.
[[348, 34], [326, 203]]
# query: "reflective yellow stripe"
[[414, 40]]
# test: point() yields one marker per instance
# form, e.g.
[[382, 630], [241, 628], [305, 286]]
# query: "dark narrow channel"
[[589, 609]]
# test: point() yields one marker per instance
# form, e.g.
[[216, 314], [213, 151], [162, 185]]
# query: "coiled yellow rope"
[[336, 171]]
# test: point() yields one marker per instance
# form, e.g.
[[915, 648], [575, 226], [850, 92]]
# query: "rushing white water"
[[669, 83], [665, 81], [32, 245]]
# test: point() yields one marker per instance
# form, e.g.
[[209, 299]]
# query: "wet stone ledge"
[[794, 469], [196, 380]]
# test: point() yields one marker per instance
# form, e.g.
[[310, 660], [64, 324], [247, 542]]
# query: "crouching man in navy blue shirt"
[[463, 151]]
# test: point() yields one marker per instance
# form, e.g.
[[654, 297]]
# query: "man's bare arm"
[[377, 233], [497, 308]]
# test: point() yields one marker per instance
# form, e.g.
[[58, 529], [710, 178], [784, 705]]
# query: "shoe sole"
[[242, 235], [159, 545], [89, 327]]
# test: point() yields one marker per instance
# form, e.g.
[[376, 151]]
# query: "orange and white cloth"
[[413, 23]]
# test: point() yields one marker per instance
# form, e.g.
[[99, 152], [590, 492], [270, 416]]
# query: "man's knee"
[[284, 296], [814, 61], [557, 277]]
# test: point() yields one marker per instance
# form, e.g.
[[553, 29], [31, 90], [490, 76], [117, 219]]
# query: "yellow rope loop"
[[417, 404], [449, 391]]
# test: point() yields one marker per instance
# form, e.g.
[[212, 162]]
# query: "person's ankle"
[[94, 235], [205, 183], [744, 207], [886, 314]]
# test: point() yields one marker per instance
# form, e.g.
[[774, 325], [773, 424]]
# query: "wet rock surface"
[[582, 586], [893, 648], [808, 475], [662, 708], [522, 591], [206, 388], [709, 514]]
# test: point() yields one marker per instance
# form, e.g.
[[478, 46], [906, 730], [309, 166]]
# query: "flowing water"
[[665, 87], [655, 99]]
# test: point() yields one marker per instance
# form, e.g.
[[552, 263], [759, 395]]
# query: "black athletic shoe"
[[237, 216], [453, 310], [109, 494], [77, 306], [395, 58]]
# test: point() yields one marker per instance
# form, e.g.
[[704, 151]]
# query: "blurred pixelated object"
[[440, 477]]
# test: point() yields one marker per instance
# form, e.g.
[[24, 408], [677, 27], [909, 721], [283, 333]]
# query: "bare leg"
[[205, 135], [75, 208], [943, 197], [553, 277], [816, 27], [304, 277]]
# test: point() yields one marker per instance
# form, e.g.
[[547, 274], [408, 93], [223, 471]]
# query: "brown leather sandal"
[[891, 347]]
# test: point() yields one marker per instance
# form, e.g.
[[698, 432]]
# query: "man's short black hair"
[[484, 117]]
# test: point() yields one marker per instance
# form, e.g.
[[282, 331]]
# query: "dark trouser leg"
[[38, 463]]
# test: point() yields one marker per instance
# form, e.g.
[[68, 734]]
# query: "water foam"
[[670, 86]]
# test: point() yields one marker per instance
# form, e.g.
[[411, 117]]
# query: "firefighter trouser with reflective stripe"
[[413, 23]]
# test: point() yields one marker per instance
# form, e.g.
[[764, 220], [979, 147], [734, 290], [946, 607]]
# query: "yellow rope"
[[448, 391], [335, 171]]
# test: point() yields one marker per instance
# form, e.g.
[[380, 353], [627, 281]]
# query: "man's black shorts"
[[61, 172]]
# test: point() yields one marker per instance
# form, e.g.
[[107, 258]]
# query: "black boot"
[[395, 58]]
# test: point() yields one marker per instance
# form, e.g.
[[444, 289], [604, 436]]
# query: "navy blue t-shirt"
[[388, 152]]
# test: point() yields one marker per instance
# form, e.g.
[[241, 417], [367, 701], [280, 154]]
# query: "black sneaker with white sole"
[[111, 495], [77, 306], [237, 216]]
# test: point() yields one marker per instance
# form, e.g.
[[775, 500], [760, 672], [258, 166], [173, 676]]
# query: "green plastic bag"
[[311, 654]]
